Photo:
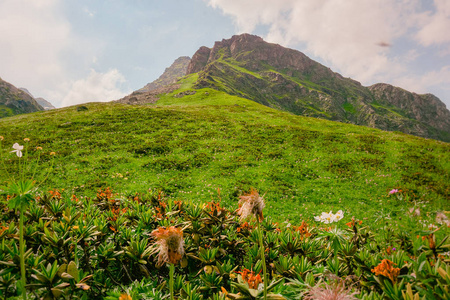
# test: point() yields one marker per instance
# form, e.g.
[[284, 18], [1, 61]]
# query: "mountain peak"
[[286, 79]]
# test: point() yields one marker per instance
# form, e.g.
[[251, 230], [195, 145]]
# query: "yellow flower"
[[26, 139], [1, 138], [39, 148], [52, 153]]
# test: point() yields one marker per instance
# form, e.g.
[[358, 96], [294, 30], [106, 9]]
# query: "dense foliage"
[[88, 248]]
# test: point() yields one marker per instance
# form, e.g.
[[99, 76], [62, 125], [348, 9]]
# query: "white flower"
[[339, 215], [328, 218], [18, 149]]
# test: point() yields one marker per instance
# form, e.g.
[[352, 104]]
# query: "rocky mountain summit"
[[286, 79], [15, 101]]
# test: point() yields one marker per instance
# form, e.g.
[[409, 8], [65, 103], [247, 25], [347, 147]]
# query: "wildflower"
[[441, 218], [169, 244], [39, 148], [329, 217], [414, 212], [334, 291], [52, 153], [18, 149], [393, 191], [250, 277], [386, 269], [251, 204], [125, 296], [353, 222], [303, 230], [339, 215], [26, 139], [224, 291], [1, 138]]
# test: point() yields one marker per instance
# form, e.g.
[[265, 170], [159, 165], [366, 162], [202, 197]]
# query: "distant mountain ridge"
[[286, 79], [14, 101], [42, 102]]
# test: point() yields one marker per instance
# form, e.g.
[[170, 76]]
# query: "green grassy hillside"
[[189, 146]]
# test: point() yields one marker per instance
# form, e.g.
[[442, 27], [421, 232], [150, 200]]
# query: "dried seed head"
[[251, 204], [169, 245]]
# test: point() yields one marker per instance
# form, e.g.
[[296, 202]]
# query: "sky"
[[76, 51]]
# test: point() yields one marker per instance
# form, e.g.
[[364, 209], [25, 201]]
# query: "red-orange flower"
[[353, 222], [250, 277], [386, 268], [170, 244], [303, 229]]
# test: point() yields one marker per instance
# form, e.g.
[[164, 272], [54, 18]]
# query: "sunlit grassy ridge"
[[191, 146]]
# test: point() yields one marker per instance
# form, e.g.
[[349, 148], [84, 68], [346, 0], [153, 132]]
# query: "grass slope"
[[189, 147]]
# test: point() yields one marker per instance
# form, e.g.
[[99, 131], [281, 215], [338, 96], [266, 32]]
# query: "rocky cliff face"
[[170, 75], [14, 101], [287, 79], [425, 108]]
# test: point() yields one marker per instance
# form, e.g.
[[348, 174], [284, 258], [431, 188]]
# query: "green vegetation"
[[165, 161]]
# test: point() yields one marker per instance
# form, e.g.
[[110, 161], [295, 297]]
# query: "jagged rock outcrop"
[[247, 66], [14, 101]]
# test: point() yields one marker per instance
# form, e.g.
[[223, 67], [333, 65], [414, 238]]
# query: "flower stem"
[[263, 258], [171, 272], [22, 258]]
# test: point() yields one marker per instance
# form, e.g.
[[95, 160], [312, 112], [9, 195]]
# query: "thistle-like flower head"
[[169, 245], [251, 204]]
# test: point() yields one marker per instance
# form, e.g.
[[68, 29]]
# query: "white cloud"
[[422, 83], [96, 87], [32, 37], [435, 26], [345, 33]]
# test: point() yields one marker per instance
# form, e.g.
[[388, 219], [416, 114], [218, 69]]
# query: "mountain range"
[[285, 79]]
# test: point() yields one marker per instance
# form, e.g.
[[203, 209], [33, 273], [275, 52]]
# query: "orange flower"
[[386, 269], [125, 297], [244, 227], [251, 204], [303, 229], [250, 277], [353, 222], [224, 291], [169, 243], [3, 229]]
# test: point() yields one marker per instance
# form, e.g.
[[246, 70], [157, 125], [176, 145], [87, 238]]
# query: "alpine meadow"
[[245, 177]]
